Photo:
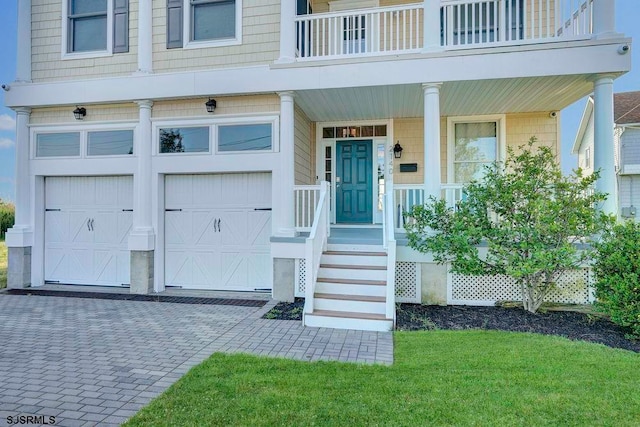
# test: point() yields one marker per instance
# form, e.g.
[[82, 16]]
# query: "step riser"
[[346, 289], [343, 323], [346, 273], [349, 306], [354, 248], [378, 261]]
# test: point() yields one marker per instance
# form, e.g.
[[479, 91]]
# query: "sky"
[[627, 16]]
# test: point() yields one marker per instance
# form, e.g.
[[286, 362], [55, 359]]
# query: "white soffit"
[[457, 98]]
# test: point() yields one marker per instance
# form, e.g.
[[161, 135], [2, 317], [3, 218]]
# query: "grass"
[[3, 264], [454, 378]]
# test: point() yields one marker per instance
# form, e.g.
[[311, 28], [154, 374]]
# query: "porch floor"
[[356, 235]]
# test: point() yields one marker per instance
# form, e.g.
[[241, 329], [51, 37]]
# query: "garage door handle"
[[173, 210], [262, 209], [127, 210], [88, 222], [218, 225]]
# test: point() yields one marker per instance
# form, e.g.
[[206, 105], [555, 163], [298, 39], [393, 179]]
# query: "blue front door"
[[354, 182]]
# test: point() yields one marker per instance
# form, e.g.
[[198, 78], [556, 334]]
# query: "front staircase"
[[351, 289]]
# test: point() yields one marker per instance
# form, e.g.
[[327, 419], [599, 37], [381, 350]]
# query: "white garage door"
[[217, 230], [87, 224]]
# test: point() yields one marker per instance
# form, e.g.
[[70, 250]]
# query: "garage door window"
[[110, 143], [184, 140], [254, 137], [65, 144]]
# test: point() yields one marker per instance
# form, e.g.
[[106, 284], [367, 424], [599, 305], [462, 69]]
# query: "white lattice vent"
[[407, 281], [573, 287], [301, 277]]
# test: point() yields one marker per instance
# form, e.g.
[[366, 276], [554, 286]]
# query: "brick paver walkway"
[[97, 362]]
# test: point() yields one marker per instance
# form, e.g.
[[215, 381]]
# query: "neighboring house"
[[185, 143], [626, 150]]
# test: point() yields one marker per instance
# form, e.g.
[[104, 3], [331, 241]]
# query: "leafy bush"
[[7, 217], [531, 217], [617, 269]]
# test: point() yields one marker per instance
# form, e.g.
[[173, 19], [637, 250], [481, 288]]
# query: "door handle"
[[88, 222], [219, 224], [91, 224]]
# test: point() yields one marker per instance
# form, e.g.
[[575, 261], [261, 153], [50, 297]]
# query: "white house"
[[626, 150], [216, 144]]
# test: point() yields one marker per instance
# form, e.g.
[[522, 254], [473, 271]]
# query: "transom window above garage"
[[89, 143], [228, 136]]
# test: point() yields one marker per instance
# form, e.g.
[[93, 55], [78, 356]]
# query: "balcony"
[[440, 25]]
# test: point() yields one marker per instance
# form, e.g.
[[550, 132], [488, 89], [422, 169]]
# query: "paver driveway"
[[97, 362]]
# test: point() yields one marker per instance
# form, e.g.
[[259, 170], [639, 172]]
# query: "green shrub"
[[7, 217], [617, 269]]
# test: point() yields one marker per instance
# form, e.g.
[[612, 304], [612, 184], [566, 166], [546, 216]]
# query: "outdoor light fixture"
[[79, 113], [211, 105], [397, 150]]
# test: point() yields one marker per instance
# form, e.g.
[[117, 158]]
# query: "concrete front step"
[[346, 320], [339, 303], [351, 272], [329, 287]]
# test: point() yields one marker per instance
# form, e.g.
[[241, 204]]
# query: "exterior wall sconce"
[[79, 113], [397, 150], [211, 105]]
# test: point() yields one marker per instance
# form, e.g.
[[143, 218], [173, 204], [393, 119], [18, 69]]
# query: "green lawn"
[[456, 378], [3, 265]]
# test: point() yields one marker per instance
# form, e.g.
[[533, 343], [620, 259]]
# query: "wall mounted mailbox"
[[408, 167]]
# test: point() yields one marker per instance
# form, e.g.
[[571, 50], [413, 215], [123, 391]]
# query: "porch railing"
[[461, 24], [405, 197], [315, 244], [452, 194], [306, 200]]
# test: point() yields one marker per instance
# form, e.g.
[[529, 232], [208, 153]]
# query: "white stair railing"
[[316, 244], [390, 246]]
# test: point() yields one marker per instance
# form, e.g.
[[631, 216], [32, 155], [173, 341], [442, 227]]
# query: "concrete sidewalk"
[[97, 361]]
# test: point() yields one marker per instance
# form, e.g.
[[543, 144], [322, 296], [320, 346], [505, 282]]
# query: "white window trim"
[[587, 158], [501, 128], [213, 133], [91, 54], [83, 130], [186, 30]]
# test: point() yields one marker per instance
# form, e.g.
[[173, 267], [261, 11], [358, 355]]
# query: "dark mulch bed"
[[568, 324]]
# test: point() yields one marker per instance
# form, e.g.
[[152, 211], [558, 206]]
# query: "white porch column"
[[287, 31], [603, 156], [286, 223], [604, 18], [22, 225], [431, 25], [145, 61], [142, 237], [432, 140], [19, 238], [23, 59]]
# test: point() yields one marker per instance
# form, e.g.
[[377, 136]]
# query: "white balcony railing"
[[452, 194], [405, 197], [462, 24], [377, 30]]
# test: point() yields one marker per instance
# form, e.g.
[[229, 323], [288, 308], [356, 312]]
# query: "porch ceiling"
[[456, 98]]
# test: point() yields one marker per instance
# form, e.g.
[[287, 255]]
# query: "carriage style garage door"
[[87, 225], [217, 230]]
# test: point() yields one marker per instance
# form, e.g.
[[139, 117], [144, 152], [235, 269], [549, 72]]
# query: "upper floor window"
[[473, 145], [203, 23], [96, 27], [587, 158]]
